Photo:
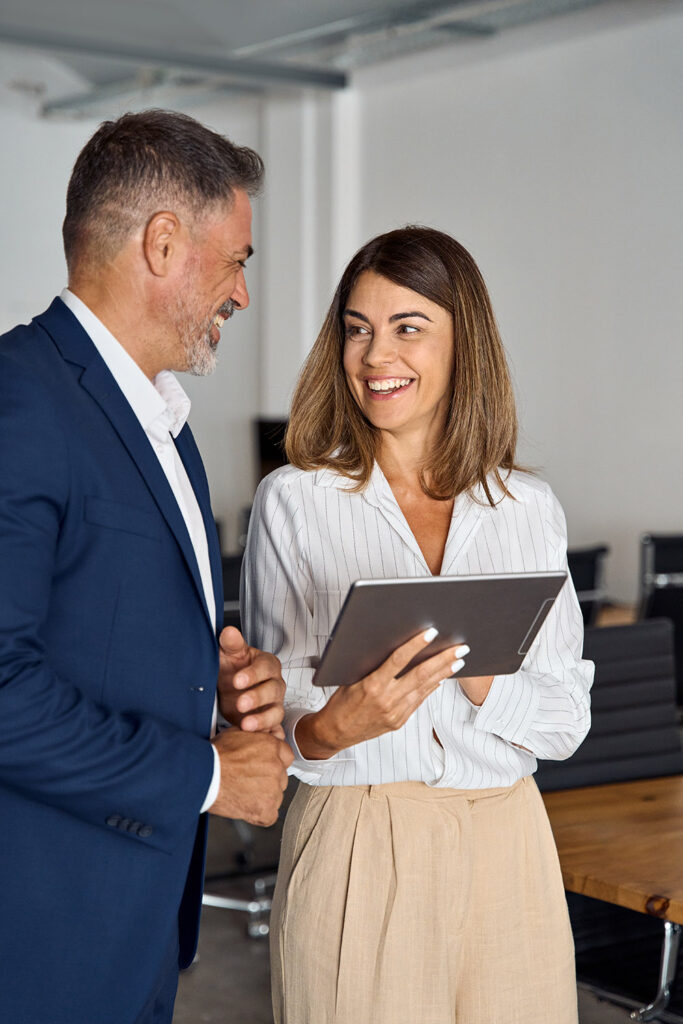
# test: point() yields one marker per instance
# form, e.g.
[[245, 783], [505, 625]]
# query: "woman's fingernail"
[[431, 633], [461, 651], [456, 666]]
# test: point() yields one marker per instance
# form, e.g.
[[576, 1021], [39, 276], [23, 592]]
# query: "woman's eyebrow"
[[404, 316], [392, 319], [354, 312]]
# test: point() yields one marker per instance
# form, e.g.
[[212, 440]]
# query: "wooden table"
[[623, 843], [617, 615]]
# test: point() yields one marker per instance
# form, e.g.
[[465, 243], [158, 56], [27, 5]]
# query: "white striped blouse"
[[310, 537]]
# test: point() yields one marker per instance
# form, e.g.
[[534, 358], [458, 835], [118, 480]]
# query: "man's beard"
[[195, 336]]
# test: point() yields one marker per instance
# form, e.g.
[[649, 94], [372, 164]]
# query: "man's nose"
[[240, 294]]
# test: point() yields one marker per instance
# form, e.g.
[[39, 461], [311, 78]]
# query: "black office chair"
[[634, 735], [634, 732], [661, 589], [244, 880], [251, 876], [586, 566]]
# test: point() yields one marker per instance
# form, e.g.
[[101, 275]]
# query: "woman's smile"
[[383, 389], [398, 356]]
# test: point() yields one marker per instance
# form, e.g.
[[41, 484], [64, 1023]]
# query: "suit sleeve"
[[57, 745]]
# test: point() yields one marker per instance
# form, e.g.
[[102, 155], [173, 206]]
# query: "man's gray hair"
[[141, 164]]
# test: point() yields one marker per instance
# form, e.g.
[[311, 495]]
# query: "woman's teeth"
[[390, 384]]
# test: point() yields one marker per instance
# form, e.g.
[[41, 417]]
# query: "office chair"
[[661, 589], [634, 732], [254, 862], [232, 567], [586, 566], [634, 735]]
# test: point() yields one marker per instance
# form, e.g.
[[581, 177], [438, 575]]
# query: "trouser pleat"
[[401, 904]]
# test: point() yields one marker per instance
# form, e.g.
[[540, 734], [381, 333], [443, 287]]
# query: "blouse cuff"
[[318, 765], [510, 708]]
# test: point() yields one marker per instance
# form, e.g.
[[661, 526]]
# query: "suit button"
[[125, 824], [135, 827], [145, 831], [113, 820]]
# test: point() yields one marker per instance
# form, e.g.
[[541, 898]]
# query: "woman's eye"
[[355, 330], [408, 329]]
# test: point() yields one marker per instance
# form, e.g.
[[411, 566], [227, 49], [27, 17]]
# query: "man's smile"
[[223, 314]]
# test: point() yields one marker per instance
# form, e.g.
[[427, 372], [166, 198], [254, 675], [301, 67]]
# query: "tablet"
[[499, 617]]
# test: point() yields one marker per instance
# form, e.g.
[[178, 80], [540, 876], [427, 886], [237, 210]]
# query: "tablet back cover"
[[499, 616]]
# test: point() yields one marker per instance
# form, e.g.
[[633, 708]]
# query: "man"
[[110, 589]]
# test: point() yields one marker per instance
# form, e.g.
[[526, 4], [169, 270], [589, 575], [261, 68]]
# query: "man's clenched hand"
[[250, 685], [253, 775]]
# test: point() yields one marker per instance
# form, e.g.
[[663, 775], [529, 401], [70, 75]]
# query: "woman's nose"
[[381, 351]]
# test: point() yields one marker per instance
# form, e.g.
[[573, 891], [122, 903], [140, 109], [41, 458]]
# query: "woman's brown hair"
[[326, 427]]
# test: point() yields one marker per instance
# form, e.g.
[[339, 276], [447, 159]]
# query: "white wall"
[[225, 404], [37, 157], [555, 154], [310, 220]]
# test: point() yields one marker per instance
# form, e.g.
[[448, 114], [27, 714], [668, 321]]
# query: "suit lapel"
[[191, 459], [77, 347]]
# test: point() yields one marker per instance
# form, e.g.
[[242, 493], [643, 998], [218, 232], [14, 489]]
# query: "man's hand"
[[250, 685], [253, 776]]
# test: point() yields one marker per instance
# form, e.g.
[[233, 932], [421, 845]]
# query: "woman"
[[419, 882]]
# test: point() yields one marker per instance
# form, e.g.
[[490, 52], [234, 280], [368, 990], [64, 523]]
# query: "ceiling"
[[111, 46]]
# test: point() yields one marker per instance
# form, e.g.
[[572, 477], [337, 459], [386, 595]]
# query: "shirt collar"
[[378, 492], [160, 405], [375, 491]]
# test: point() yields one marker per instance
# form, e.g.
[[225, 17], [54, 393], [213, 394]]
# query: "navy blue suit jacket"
[[108, 668]]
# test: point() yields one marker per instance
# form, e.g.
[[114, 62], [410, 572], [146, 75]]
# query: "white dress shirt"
[[162, 408], [310, 537]]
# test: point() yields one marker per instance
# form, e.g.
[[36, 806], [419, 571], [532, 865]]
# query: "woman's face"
[[398, 356]]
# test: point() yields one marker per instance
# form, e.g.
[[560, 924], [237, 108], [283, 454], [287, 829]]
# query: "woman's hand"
[[378, 703]]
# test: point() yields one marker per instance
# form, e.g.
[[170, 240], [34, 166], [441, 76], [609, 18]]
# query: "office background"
[[546, 135], [553, 150]]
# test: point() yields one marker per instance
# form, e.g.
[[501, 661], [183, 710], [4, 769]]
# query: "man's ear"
[[162, 242]]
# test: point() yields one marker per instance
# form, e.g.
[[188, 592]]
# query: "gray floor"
[[229, 982]]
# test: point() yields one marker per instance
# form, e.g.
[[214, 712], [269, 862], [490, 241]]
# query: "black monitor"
[[270, 441]]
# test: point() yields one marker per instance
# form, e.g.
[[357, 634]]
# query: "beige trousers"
[[406, 904]]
